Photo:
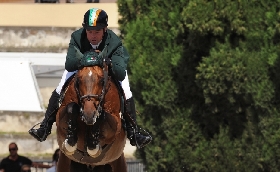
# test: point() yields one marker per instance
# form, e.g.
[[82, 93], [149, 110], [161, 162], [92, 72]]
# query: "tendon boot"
[[42, 133], [135, 137], [73, 110]]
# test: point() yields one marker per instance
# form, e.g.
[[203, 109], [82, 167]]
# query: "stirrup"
[[33, 132], [138, 132]]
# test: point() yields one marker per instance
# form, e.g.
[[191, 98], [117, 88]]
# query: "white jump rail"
[[51, 59]]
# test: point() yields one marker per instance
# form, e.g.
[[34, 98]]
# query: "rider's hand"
[[91, 58], [108, 61]]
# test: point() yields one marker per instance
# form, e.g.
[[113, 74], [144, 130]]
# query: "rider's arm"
[[72, 62], [119, 63]]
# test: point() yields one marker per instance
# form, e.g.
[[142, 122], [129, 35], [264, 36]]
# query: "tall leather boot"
[[135, 137], [42, 133]]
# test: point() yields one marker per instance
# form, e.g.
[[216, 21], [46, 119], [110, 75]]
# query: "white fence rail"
[[50, 59]]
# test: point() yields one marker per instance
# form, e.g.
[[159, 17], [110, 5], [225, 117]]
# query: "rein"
[[100, 97]]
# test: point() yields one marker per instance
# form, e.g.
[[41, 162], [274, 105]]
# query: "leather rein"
[[100, 97]]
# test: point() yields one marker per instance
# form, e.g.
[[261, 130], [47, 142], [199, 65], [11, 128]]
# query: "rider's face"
[[95, 36]]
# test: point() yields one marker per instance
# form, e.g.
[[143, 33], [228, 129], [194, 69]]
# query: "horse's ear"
[[104, 52], [79, 55]]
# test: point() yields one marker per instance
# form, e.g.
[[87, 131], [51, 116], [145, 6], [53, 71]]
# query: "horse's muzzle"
[[90, 118]]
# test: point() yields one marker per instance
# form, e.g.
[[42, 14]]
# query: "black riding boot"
[[135, 137], [50, 116]]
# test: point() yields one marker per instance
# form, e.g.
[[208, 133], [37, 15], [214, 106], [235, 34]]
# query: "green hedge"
[[205, 75]]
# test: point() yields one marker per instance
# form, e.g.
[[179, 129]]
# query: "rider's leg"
[[132, 131], [46, 125], [50, 116]]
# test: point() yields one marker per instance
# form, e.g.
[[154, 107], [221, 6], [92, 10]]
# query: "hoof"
[[68, 150], [95, 152]]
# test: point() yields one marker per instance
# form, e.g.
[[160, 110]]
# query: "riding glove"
[[108, 61]]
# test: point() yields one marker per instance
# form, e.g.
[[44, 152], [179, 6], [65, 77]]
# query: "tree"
[[205, 77]]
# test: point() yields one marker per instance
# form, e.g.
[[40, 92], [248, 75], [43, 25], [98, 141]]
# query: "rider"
[[94, 36]]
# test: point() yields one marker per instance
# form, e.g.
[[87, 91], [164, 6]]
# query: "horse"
[[90, 134]]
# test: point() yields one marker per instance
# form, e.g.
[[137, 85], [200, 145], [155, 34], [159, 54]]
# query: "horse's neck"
[[69, 93]]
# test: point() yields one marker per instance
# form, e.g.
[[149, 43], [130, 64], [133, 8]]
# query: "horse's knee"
[[73, 108]]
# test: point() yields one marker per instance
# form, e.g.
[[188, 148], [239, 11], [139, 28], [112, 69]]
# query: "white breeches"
[[124, 83]]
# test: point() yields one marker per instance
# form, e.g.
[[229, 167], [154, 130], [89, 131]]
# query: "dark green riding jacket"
[[116, 52]]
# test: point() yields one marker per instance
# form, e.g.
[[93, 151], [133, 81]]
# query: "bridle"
[[99, 97]]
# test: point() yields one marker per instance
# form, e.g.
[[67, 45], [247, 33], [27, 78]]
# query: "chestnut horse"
[[90, 113]]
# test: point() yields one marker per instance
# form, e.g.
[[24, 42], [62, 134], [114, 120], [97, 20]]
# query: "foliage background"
[[205, 74]]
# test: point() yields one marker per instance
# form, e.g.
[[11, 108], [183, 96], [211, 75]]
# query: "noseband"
[[99, 97]]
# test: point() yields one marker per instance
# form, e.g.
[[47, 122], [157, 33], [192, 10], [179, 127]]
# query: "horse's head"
[[90, 87]]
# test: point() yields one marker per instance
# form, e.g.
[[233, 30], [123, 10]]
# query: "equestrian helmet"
[[95, 19]]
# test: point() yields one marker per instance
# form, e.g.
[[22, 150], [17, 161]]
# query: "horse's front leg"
[[70, 144], [93, 147]]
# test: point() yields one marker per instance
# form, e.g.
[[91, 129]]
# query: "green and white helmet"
[[95, 19]]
